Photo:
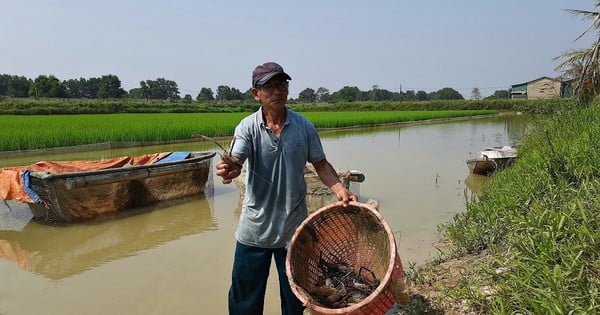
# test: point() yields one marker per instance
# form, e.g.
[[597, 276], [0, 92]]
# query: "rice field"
[[369, 118], [42, 132]]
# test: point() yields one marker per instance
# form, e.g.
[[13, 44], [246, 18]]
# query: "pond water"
[[176, 259]]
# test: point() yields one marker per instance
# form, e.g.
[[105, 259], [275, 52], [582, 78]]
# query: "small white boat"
[[492, 159]]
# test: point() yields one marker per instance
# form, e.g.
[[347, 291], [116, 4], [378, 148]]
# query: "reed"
[[540, 219], [41, 132]]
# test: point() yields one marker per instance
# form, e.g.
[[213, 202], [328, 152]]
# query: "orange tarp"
[[11, 187], [14, 253]]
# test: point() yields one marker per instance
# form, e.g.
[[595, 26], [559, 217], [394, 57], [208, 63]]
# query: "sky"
[[392, 44]]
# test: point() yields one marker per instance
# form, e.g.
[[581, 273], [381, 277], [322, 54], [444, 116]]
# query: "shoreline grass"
[[540, 220]]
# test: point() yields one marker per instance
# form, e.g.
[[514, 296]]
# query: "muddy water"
[[176, 259]]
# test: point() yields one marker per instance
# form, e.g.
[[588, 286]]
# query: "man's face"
[[273, 93]]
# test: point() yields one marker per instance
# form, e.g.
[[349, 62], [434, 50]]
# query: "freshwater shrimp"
[[226, 155]]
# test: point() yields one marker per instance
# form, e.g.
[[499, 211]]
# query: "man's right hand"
[[228, 171]]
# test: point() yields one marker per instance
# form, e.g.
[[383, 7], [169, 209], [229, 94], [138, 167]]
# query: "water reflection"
[[475, 181], [57, 252]]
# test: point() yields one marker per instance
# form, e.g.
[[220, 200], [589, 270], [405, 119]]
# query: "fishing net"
[[355, 239]]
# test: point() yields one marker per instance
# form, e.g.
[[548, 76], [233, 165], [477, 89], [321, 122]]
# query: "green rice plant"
[[371, 118], [41, 132]]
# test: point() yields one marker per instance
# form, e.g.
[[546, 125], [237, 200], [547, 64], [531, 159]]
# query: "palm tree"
[[584, 64]]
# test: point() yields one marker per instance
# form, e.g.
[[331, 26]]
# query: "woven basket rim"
[[375, 294]]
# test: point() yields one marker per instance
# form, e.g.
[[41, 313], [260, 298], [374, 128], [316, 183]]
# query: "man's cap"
[[265, 72]]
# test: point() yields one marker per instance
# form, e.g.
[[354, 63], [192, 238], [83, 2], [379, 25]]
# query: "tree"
[[18, 87], [377, 94], [74, 87], [421, 96], [169, 88], [160, 89], [446, 94], [187, 98], [47, 86], [475, 94], [110, 87], [347, 94], [205, 95], [322, 94], [307, 95], [248, 95], [223, 93], [4, 81], [136, 93], [500, 94], [145, 90], [410, 95], [14, 86], [236, 94], [584, 64], [226, 93], [91, 87]]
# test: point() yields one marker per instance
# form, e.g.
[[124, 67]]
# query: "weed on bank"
[[541, 220]]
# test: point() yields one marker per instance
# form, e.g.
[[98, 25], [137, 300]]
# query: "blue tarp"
[[175, 156], [27, 186]]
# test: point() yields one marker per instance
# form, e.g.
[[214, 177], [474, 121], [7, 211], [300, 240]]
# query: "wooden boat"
[[73, 191], [492, 159]]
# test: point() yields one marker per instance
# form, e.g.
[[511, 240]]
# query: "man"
[[276, 143]]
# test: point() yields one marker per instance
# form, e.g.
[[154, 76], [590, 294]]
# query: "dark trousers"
[[249, 281]]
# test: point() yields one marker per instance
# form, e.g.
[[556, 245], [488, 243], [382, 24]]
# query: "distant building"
[[542, 88]]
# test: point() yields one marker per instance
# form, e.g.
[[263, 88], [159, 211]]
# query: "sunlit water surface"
[[176, 258]]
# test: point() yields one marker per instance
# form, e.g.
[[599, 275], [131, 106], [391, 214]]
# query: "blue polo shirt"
[[275, 200]]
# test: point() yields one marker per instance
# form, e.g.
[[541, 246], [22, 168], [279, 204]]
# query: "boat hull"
[[81, 196], [492, 159], [485, 166]]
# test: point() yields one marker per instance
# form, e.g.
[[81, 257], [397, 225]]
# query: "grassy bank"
[[538, 224], [26, 132]]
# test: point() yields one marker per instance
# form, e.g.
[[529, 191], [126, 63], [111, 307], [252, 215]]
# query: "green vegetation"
[[82, 106], [540, 220], [370, 118], [109, 87], [547, 106], [13, 106], [41, 132]]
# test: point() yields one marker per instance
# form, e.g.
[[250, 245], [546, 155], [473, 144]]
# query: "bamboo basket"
[[356, 235]]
